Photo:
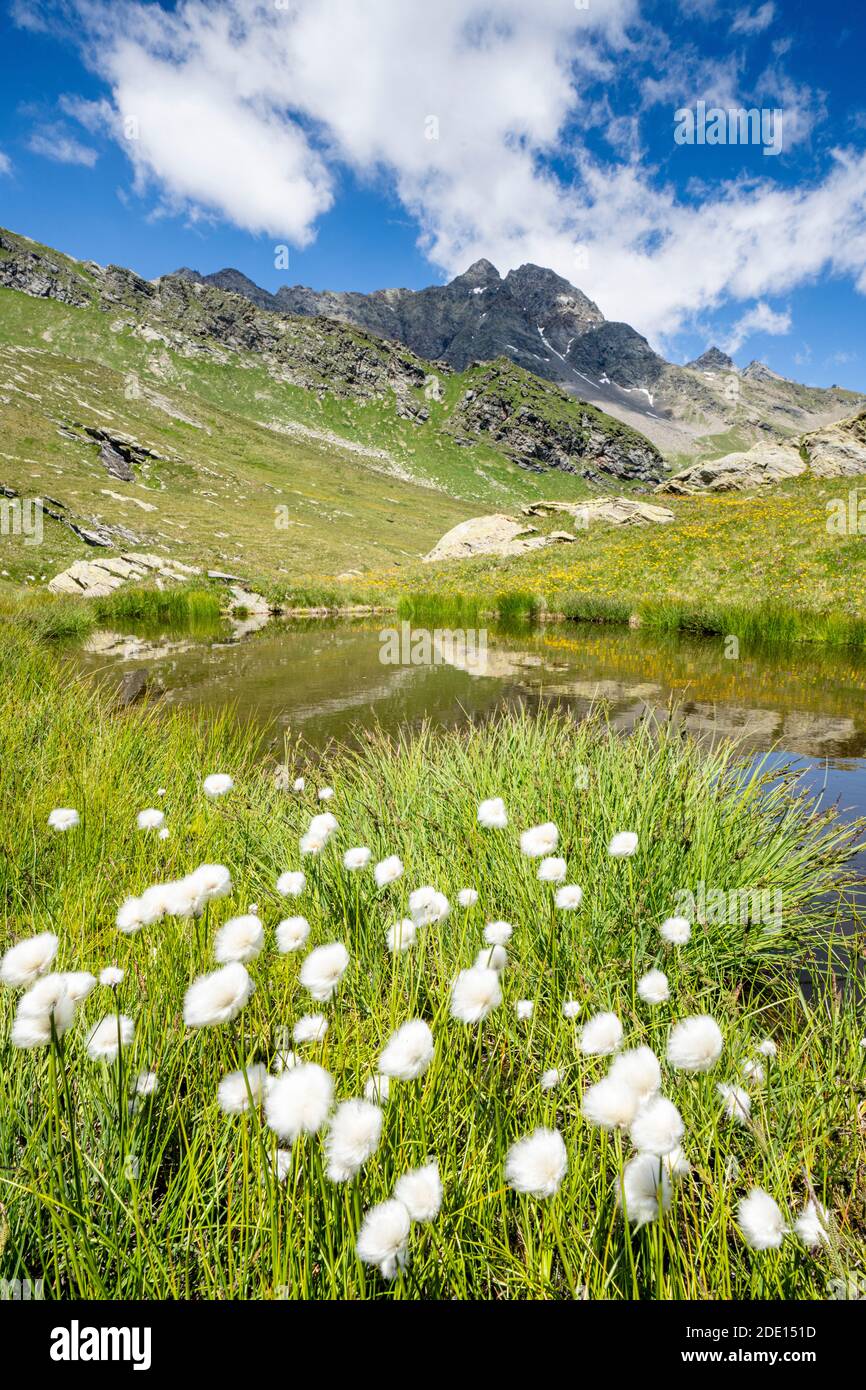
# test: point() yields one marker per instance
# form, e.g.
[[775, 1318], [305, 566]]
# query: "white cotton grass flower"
[[150, 819], [47, 1005], [217, 997], [217, 784], [164, 833], [323, 969], [357, 858], [110, 1034], [408, 1052], [474, 993], [601, 1035], [24, 962], [325, 793], [767, 1048], [310, 1028], [498, 933], [736, 1103], [676, 931], [240, 938], [388, 870], [299, 784], [63, 818], [400, 936], [427, 907], [299, 1101], [491, 958], [236, 1089], [550, 1079], [811, 1226], [644, 1190], [552, 870], [571, 1009], [640, 1070], [610, 1103], [657, 1127], [183, 897], [420, 1191], [285, 1060], [492, 814], [753, 1070], [353, 1138], [761, 1221], [653, 987], [79, 984], [467, 897], [292, 932], [135, 913], [146, 1084], [320, 830], [676, 1165], [524, 1009], [292, 883], [281, 1164], [111, 976], [623, 845], [211, 881], [537, 1164], [383, 1237], [539, 840], [695, 1044], [377, 1089], [569, 897]]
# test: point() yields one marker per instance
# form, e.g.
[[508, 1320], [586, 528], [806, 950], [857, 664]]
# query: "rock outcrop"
[[616, 511], [486, 535], [97, 578], [836, 451], [508, 535]]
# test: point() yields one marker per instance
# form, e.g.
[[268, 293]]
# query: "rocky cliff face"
[[539, 427]]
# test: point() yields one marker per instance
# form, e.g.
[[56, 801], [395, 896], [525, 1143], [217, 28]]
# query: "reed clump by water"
[[279, 1132]]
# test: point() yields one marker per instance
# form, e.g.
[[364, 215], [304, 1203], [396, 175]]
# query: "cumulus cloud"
[[477, 113], [759, 319]]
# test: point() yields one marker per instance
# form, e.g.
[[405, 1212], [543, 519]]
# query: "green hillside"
[[269, 446]]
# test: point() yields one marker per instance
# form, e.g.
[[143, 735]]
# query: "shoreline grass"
[[111, 1195]]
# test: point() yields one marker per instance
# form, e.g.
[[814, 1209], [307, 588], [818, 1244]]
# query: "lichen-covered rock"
[[738, 472], [486, 535]]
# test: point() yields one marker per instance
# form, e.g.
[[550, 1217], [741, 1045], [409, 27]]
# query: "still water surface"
[[325, 679]]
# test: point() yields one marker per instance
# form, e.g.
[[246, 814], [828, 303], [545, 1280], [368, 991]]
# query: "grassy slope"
[[196, 1215], [215, 498]]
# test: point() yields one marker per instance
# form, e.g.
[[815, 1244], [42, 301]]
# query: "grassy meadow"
[[113, 1187], [762, 567]]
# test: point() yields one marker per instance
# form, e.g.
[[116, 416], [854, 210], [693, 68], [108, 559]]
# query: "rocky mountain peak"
[[713, 360], [759, 371], [480, 274]]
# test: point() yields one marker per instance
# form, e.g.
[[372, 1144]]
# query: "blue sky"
[[390, 142]]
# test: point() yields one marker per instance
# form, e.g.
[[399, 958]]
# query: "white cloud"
[[54, 142], [5, 163], [748, 21], [248, 112], [760, 319]]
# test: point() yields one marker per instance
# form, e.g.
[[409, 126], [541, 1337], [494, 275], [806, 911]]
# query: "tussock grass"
[[173, 1199], [57, 618]]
